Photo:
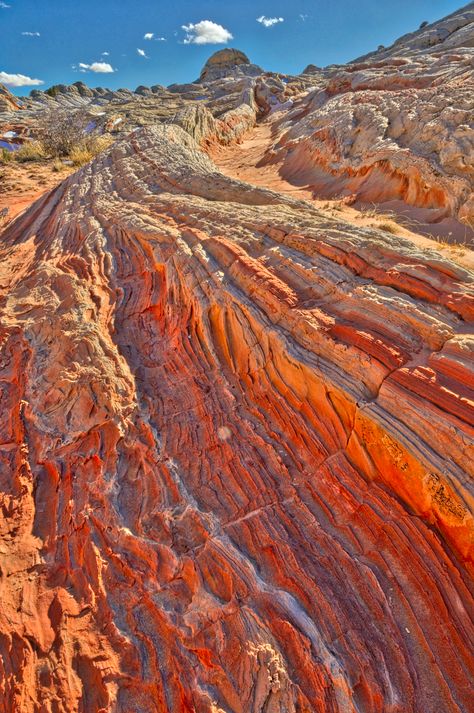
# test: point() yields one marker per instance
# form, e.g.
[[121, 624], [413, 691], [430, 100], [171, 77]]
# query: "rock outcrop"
[[8, 102], [451, 32], [236, 431], [228, 62], [226, 58], [236, 448], [393, 128]]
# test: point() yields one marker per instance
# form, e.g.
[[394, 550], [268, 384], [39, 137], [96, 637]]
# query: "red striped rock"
[[236, 451]]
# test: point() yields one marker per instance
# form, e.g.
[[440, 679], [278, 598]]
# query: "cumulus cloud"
[[142, 53], [269, 21], [99, 67], [18, 80], [105, 54], [31, 34], [206, 32]]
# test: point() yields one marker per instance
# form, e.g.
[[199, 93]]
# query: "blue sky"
[[67, 33]]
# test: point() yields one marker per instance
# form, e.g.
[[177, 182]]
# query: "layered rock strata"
[[394, 127], [236, 447]]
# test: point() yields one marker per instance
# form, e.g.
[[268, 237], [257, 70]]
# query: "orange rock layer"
[[236, 452]]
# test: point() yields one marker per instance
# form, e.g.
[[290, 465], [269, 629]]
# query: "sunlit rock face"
[[225, 59], [227, 63], [236, 451], [393, 127], [8, 101]]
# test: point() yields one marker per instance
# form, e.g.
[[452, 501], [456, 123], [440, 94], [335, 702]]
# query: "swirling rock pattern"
[[394, 127], [236, 449]]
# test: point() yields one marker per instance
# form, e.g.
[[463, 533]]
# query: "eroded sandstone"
[[236, 449]]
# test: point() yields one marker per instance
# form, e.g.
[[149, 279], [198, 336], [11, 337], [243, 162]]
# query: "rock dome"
[[227, 57], [225, 62]]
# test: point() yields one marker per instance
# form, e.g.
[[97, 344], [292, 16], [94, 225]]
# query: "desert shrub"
[[64, 134], [80, 155], [88, 148], [389, 221], [61, 131], [58, 166], [30, 151], [6, 156], [389, 226], [423, 24]]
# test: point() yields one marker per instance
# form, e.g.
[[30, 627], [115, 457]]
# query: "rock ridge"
[[251, 427]]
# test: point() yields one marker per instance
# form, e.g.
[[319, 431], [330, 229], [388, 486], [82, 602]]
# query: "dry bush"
[[389, 221], [6, 156], [61, 131], [58, 166], [87, 149], [30, 151], [63, 134], [389, 226]]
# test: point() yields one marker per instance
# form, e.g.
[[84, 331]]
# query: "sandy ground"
[[22, 183], [244, 161]]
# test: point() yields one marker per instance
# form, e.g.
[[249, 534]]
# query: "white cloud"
[[4, 5], [151, 36], [99, 67], [19, 80], [142, 53], [269, 21], [206, 33], [31, 34], [303, 17], [105, 54]]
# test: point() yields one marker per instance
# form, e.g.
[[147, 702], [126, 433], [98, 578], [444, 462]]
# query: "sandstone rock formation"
[[8, 102], [227, 81], [451, 32], [225, 62], [236, 451], [393, 128], [237, 432]]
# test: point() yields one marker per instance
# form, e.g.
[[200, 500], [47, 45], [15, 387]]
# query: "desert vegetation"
[[61, 136]]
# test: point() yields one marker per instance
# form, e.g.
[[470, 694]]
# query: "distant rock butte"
[[311, 69], [225, 62], [227, 57]]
